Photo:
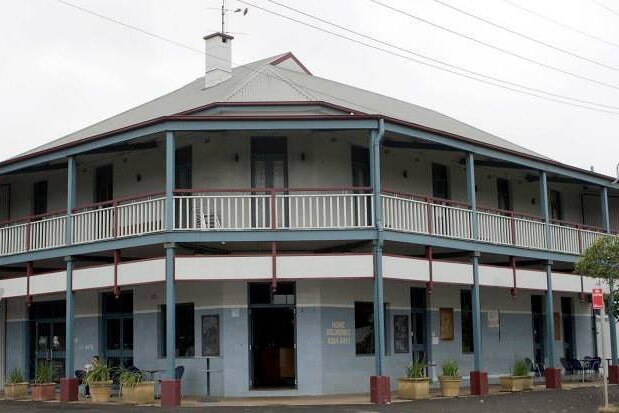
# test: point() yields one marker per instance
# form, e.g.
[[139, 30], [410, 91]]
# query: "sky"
[[62, 69]]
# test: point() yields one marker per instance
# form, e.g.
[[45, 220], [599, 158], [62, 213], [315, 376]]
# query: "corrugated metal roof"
[[282, 78]]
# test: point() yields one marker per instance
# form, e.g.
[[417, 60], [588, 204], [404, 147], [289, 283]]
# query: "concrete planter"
[[514, 383], [612, 408], [528, 384], [142, 393], [100, 391], [413, 389], [450, 386], [15, 391], [43, 392]]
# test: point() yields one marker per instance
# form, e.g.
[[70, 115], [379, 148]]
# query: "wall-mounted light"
[[533, 201], [236, 157], [138, 177], [405, 173], [303, 156]]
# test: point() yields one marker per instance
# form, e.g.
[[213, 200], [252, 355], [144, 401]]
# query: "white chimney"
[[218, 58]]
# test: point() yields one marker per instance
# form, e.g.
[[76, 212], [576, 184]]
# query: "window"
[[503, 189], [364, 328], [5, 202], [183, 168], [556, 209], [104, 183], [263, 294], [39, 198], [440, 181], [185, 330], [466, 314]]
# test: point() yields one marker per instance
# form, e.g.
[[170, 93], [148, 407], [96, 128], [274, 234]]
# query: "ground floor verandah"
[[310, 337]]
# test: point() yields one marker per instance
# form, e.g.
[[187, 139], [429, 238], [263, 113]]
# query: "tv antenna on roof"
[[224, 11]]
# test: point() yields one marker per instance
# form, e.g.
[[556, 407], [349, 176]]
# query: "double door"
[[49, 346]]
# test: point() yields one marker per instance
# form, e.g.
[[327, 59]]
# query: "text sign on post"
[[597, 299]]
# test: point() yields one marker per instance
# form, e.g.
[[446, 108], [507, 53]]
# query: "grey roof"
[[282, 78]]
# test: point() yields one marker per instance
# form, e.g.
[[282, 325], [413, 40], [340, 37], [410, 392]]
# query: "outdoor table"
[[208, 372]]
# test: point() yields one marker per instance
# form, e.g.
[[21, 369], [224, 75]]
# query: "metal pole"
[[379, 310], [169, 257], [612, 322], [70, 317], [475, 292], [550, 322], [604, 350]]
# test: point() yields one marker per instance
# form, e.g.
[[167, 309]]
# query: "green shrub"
[[520, 368], [417, 369], [130, 378], [97, 374], [44, 373], [16, 376], [450, 368]]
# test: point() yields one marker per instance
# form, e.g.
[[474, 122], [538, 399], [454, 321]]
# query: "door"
[[104, 183], [360, 166], [272, 329], [537, 312], [118, 329], [269, 169], [567, 323], [419, 334], [47, 336]]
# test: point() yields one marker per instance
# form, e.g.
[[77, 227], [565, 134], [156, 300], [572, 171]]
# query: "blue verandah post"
[[70, 307], [169, 256]]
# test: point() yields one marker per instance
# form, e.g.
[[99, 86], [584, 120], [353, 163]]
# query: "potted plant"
[[134, 389], [15, 387], [415, 385], [519, 378], [450, 380], [98, 379], [44, 387]]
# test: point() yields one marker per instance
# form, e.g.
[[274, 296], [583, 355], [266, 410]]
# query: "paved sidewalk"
[[578, 400]]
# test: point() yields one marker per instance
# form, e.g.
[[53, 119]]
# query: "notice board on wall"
[[447, 323], [210, 335]]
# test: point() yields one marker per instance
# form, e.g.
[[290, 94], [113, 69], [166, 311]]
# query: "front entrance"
[[272, 336], [567, 321], [47, 337], [419, 316], [118, 329], [537, 312]]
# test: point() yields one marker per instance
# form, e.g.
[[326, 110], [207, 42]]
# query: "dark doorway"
[[269, 169], [419, 334], [272, 336], [567, 321], [118, 329], [47, 336], [537, 311], [104, 183]]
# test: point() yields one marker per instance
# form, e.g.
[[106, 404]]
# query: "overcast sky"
[[62, 69]]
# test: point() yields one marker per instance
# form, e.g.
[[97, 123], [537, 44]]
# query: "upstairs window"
[[556, 209], [183, 168], [5, 202], [440, 181], [104, 183], [504, 193], [39, 198]]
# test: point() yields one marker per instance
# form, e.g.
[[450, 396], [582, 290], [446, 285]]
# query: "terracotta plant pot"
[[43, 392], [514, 383], [143, 393], [15, 391], [450, 386], [100, 392], [413, 389]]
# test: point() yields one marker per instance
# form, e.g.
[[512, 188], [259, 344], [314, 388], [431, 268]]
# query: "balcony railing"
[[282, 209], [291, 209], [444, 218]]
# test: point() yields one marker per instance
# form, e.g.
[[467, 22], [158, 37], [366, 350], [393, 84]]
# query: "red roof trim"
[[287, 56]]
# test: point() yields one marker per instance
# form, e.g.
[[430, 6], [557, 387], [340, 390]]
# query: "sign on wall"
[[446, 323], [493, 319], [338, 333], [400, 334], [210, 335], [597, 299]]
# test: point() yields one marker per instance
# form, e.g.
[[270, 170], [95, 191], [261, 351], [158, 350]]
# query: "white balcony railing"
[[410, 213], [217, 210], [291, 209]]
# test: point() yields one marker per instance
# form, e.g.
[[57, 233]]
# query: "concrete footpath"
[[581, 400]]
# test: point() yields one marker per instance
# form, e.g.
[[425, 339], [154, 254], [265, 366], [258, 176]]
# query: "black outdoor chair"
[[535, 368], [567, 366], [577, 367]]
